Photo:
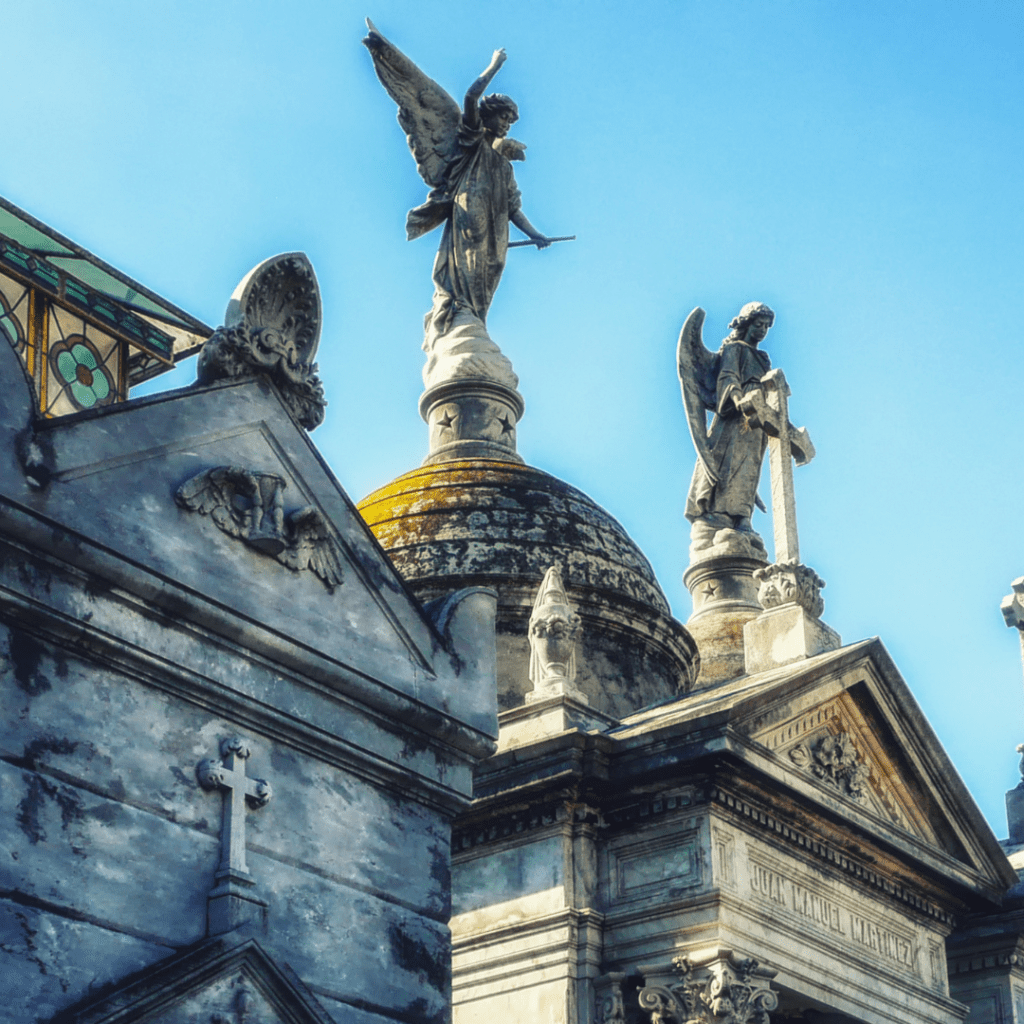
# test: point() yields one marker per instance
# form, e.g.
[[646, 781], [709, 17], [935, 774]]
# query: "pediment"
[[844, 730], [214, 984], [835, 745], [218, 492]]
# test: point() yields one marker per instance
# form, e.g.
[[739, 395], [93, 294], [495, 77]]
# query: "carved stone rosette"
[[834, 759], [272, 327], [790, 583], [714, 987]]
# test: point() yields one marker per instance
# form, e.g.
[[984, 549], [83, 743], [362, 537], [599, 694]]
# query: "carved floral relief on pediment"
[[834, 744]]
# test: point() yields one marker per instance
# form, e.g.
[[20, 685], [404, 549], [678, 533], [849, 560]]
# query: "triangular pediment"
[[837, 745], [844, 730], [214, 503], [237, 984]]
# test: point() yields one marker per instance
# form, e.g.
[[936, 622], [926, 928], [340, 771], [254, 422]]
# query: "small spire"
[[554, 630]]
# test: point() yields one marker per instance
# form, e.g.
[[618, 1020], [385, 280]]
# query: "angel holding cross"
[[464, 156], [732, 384]]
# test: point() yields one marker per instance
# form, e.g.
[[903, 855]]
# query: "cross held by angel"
[[465, 157]]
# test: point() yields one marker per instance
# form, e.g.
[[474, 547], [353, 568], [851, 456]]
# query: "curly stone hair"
[[497, 103], [750, 312]]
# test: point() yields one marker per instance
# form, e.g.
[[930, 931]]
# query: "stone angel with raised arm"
[[464, 157]]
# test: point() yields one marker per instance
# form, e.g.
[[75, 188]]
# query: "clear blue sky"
[[855, 165]]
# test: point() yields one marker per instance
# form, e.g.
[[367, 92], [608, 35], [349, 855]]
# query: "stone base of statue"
[[465, 350], [471, 418], [724, 596], [790, 628], [548, 713]]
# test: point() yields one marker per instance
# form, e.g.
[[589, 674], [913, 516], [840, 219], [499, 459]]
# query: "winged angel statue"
[[464, 156], [723, 491]]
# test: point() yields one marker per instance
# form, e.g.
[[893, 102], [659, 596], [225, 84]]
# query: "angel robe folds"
[[479, 198], [736, 449]]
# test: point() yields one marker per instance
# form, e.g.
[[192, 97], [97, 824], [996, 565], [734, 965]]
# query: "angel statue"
[[464, 156], [723, 491]]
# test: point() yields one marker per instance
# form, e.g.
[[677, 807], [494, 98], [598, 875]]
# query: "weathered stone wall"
[[135, 636]]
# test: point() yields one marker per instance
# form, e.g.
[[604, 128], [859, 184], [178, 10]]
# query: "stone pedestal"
[[724, 599], [233, 902], [783, 635], [548, 714], [471, 418]]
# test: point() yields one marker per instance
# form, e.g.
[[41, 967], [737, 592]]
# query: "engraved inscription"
[[765, 882], [817, 909], [880, 940], [809, 905]]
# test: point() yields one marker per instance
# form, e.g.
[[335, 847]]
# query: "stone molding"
[[714, 986], [249, 505], [824, 852], [471, 418], [243, 645]]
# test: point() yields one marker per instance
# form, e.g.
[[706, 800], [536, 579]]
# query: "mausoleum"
[[272, 756]]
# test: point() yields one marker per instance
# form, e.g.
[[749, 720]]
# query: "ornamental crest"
[[835, 760]]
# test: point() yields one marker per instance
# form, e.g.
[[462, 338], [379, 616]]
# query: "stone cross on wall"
[[785, 443], [230, 904]]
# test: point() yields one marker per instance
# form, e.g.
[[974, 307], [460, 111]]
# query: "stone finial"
[[554, 629], [272, 327]]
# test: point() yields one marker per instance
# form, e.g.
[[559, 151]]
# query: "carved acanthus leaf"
[[249, 505], [727, 990], [790, 583]]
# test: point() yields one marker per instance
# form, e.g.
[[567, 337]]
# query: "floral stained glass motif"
[[78, 366], [83, 365], [14, 313]]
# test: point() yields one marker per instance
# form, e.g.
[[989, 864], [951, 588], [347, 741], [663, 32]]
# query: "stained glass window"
[[14, 314], [83, 365]]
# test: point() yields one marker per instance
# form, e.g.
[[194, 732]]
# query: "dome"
[[502, 525]]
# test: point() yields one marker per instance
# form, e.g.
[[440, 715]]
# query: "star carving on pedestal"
[[446, 421], [710, 590], [507, 426]]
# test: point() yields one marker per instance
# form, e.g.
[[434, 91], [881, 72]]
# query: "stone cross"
[[229, 775], [785, 443], [1012, 607]]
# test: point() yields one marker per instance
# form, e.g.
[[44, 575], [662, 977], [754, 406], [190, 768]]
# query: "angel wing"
[[429, 117], [698, 379], [226, 494], [312, 546]]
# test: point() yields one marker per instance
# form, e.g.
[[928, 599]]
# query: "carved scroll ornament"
[[724, 990], [249, 506]]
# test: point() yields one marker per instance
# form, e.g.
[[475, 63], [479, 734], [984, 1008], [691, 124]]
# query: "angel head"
[[752, 323], [498, 113]]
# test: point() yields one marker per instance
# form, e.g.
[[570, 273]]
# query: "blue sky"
[[856, 166]]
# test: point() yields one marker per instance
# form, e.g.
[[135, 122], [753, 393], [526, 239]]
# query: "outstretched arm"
[[470, 110], [519, 219]]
